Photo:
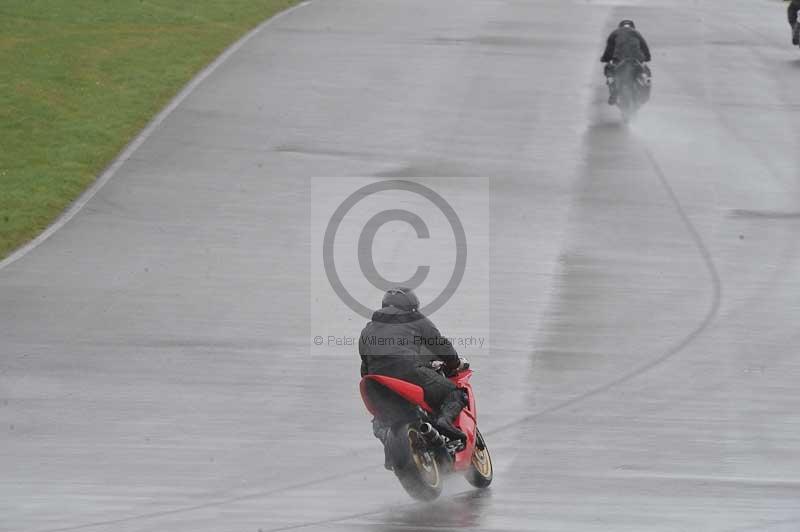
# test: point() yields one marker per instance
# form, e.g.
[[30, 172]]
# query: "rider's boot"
[[381, 431], [451, 408], [609, 71], [387, 459], [796, 34]]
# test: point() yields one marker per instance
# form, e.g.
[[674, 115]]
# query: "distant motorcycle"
[[419, 454], [633, 81]]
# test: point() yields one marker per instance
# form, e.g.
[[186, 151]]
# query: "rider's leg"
[[796, 34], [380, 429], [448, 413], [647, 75], [385, 401], [443, 396], [612, 87]]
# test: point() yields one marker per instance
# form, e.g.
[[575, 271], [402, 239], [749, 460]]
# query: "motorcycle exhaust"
[[431, 435]]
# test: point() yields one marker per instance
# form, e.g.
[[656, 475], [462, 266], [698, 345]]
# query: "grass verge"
[[80, 78]]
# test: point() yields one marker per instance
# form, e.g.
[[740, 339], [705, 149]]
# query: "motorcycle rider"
[[624, 43], [400, 342], [794, 8]]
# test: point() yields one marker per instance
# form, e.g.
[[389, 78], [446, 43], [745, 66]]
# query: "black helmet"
[[627, 24], [402, 298]]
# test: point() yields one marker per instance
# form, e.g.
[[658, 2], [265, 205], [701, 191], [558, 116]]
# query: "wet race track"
[[638, 287]]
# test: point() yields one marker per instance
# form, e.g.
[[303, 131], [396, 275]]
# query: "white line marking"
[[134, 145]]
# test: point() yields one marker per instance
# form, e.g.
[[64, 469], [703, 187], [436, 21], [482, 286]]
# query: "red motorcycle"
[[418, 453]]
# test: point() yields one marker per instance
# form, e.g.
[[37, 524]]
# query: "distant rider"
[[400, 342], [794, 8], [623, 43]]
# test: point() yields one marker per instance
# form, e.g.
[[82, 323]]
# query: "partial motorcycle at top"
[[628, 77]]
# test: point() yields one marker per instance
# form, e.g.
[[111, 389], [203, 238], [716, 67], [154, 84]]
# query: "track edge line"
[[106, 175]]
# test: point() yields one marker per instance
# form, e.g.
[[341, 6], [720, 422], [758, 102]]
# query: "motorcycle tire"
[[627, 104], [414, 464], [481, 471]]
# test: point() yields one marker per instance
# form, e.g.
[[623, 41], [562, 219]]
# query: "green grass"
[[80, 78]]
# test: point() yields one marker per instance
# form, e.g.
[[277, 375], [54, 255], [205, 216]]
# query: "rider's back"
[[395, 341], [628, 44]]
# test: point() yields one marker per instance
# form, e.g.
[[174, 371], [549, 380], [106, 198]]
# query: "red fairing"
[[364, 397], [408, 391], [461, 379], [467, 420]]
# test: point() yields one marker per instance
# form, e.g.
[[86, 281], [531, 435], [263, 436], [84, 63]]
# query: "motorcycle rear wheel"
[[415, 465], [627, 100], [628, 112], [481, 471], [627, 104]]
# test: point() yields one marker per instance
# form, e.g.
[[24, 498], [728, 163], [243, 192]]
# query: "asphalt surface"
[[639, 286]]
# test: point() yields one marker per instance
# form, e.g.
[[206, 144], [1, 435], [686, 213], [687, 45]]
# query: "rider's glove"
[[450, 370], [437, 365]]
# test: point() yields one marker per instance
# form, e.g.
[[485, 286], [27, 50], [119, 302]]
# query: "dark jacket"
[[626, 43], [396, 341], [794, 8]]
